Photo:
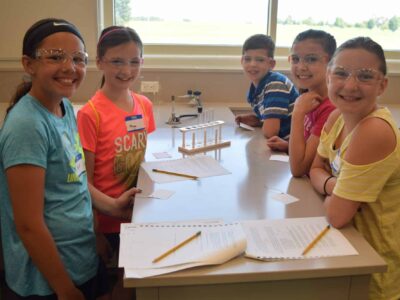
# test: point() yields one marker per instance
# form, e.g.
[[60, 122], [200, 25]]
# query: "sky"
[[256, 10]]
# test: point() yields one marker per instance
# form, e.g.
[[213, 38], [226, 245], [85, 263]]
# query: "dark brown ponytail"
[[22, 89]]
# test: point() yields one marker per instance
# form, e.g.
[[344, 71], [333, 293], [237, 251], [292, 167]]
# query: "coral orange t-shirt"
[[118, 139]]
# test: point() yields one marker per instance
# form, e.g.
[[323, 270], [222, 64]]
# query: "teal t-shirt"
[[32, 135]]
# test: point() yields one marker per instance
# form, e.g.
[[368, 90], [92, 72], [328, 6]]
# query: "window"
[[209, 34], [206, 22], [343, 19]]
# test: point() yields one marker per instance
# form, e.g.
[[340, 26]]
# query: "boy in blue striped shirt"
[[271, 94]]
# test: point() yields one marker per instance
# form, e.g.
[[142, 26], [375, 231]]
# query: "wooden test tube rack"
[[205, 143]]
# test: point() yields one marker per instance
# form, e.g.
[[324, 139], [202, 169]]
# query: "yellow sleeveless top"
[[377, 186]]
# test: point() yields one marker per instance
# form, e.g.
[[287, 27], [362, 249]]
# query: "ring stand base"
[[173, 120]]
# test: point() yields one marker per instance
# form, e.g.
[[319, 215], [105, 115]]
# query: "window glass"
[[344, 19], [206, 22]]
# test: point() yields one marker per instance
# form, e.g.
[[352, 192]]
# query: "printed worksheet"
[[288, 238], [208, 244]]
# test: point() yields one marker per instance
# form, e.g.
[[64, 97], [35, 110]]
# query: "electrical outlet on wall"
[[150, 87]]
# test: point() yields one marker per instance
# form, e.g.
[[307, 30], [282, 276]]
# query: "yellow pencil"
[[174, 173], [173, 249], [319, 236]]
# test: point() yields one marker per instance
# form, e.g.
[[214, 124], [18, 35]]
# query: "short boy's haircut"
[[326, 40], [260, 41]]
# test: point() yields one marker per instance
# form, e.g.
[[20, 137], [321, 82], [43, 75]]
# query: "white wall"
[[18, 15]]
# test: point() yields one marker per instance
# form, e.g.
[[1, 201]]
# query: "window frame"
[[214, 57]]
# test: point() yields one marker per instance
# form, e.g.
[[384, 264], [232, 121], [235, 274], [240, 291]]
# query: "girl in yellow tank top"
[[357, 166]]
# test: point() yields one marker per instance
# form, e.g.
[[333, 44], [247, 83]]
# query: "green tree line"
[[382, 23]]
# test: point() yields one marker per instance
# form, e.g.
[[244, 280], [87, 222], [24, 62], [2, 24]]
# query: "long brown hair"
[[114, 36]]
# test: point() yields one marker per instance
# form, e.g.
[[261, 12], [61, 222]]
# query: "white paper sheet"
[[160, 155], [142, 243], [142, 273], [200, 166], [279, 156], [284, 198], [245, 126], [158, 194], [287, 239]]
